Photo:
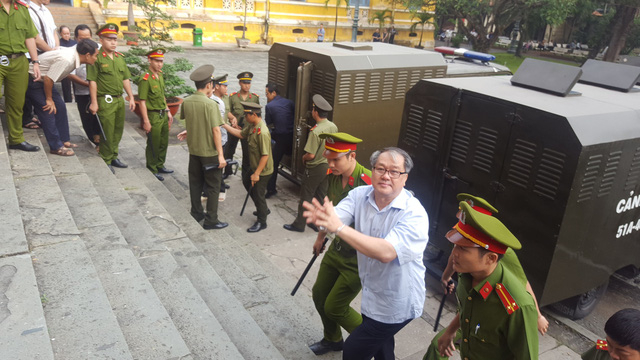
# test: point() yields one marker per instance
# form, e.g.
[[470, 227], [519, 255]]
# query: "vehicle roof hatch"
[[552, 78], [610, 75]]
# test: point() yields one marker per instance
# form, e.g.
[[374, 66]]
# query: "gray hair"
[[394, 152]]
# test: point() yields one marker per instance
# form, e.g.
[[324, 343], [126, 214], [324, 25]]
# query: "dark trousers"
[[257, 195], [27, 110], [372, 339], [283, 145], [55, 126], [197, 179], [314, 184], [66, 90], [89, 121]]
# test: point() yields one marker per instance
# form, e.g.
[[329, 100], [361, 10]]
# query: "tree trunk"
[[335, 27], [420, 42], [621, 23]]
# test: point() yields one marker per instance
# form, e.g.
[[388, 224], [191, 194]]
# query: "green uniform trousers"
[[257, 195], [315, 184], [432, 351], [112, 120], [15, 78], [197, 178], [337, 285], [157, 140]]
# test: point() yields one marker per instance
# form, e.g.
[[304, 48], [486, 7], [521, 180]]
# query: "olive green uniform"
[[596, 354], [109, 75], [259, 143], [314, 182], [487, 330], [237, 110], [338, 282], [201, 116], [151, 89], [15, 27]]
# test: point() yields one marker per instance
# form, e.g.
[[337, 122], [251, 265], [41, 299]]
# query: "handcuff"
[[4, 60], [108, 99]]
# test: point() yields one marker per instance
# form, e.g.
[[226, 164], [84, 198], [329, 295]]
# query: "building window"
[[185, 4], [226, 4], [239, 28], [187, 26], [198, 4], [362, 2], [297, 31], [238, 5], [412, 34]]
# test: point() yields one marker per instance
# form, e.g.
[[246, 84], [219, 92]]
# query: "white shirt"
[[57, 64], [223, 114], [391, 292], [47, 21]]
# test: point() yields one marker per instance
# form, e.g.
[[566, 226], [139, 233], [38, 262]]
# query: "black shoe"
[[111, 168], [227, 186], [225, 176], [313, 227], [255, 213], [164, 170], [323, 346], [119, 164], [270, 194], [159, 177], [257, 227], [290, 227], [24, 146], [218, 226]]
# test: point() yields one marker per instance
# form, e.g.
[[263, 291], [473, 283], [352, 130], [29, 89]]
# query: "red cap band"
[[480, 238], [339, 146]]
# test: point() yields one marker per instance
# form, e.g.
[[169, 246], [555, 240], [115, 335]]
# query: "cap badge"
[[330, 140], [111, 27]]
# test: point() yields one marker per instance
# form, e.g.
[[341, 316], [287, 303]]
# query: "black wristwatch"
[[35, 61]]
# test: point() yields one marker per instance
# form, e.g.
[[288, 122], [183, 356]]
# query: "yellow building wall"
[[218, 18]]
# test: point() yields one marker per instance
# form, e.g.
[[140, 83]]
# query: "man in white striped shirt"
[[48, 104]]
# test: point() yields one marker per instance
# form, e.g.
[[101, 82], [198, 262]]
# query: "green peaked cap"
[[342, 137], [489, 225], [477, 201]]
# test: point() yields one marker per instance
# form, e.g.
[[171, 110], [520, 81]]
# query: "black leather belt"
[[14, 56], [4, 59], [158, 111]]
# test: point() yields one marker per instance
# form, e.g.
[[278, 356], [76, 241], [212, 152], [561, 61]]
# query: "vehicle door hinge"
[[496, 186], [513, 117]]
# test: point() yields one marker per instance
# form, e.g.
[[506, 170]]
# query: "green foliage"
[[633, 40], [381, 16], [423, 19], [154, 29], [457, 40]]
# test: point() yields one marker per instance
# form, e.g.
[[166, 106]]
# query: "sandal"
[[70, 145], [31, 125], [62, 152]]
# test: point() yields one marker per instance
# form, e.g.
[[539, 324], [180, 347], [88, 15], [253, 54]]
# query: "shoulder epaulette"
[[233, 93], [365, 178], [146, 76], [507, 300], [255, 94], [119, 53], [314, 126], [22, 3], [602, 345], [259, 130], [329, 172]]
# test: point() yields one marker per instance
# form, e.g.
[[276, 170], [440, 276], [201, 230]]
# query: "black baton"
[[444, 299], [245, 200], [99, 123], [306, 270]]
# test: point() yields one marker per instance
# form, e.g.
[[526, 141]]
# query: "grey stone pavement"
[[292, 251]]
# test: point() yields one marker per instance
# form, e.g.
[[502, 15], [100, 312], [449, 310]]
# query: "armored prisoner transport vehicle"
[[560, 162], [365, 83]]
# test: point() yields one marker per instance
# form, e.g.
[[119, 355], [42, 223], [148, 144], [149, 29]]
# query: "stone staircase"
[[96, 265], [63, 14]]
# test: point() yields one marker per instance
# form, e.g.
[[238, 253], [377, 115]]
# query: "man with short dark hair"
[[47, 102], [390, 234], [623, 338], [66, 41], [206, 159], [279, 114]]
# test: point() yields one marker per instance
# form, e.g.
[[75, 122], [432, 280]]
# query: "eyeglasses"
[[394, 174]]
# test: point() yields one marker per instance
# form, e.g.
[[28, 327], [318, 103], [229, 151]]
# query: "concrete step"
[[196, 331], [296, 317], [79, 318]]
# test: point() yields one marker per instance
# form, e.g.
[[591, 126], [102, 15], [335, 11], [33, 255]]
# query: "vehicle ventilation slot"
[[610, 75], [353, 46], [545, 76]]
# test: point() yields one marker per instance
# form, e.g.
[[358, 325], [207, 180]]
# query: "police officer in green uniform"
[[155, 114], [623, 338], [206, 159], [314, 182], [17, 36], [509, 260], [107, 78], [258, 138], [236, 99], [496, 315], [338, 282]]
